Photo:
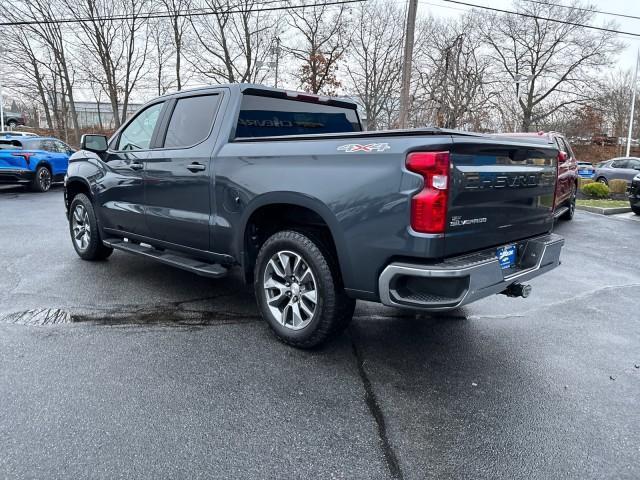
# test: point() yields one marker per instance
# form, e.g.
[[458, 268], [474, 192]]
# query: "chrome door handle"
[[196, 167], [136, 166]]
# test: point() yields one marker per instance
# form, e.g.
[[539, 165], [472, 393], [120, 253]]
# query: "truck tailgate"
[[500, 192]]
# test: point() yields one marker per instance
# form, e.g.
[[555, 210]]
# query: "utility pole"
[[405, 89], [634, 86]]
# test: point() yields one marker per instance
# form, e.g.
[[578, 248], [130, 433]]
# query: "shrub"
[[583, 181], [596, 190], [617, 186]]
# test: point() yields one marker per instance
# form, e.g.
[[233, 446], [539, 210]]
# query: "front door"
[[178, 174], [121, 196]]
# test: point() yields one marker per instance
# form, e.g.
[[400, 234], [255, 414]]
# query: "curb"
[[604, 211]]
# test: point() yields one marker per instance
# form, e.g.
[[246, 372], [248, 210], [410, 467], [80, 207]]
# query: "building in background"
[[100, 115]]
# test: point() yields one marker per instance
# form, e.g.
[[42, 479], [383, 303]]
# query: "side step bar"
[[212, 270], [561, 211]]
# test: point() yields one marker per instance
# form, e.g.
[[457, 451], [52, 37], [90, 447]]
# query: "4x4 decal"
[[371, 147]]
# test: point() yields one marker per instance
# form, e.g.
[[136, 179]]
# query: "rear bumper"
[[15, 176], [461, 280]]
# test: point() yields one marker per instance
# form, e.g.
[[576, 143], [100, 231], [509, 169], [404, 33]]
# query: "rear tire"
[[83, 228], [299, 289], [602, 180], [568, 215], [636, 210], [42, 179]]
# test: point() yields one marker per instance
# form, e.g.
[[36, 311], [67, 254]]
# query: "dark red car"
[[567, 187]]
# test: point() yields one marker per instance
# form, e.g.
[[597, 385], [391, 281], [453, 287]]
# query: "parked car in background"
[[586, 169], [603, 139], [567, 186], [13, 119], [623, 168], [13, 133], [634, 194], [33, 161]]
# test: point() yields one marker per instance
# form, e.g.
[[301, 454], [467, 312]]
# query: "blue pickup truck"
[[33, 161]]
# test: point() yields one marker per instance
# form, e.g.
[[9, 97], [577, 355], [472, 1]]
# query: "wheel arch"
[[280, 210], [73, 187]]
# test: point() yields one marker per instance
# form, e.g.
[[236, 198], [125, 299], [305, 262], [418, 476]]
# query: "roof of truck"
[[263, 90]]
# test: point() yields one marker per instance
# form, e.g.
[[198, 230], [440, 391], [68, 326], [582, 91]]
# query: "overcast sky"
[[626, 58]]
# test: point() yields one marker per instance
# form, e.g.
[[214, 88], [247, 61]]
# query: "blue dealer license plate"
[[507, 256]]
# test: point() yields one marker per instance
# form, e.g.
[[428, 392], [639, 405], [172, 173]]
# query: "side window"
[[191, 121], [60, 147], [137, 135], [622, 163], [634, 164], [33, 145], [48, 146], [560, 145], [567, 147]]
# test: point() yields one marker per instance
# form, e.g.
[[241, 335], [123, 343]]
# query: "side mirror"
[[94, 143], [562, 156]]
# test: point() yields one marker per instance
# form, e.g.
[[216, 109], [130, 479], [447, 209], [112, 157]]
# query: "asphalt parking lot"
[[144, 371]]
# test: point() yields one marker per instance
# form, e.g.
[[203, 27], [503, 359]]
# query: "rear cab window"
[[191, 121], [262, 116]]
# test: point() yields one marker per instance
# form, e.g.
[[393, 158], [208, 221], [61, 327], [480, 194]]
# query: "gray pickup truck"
[[316, 212]]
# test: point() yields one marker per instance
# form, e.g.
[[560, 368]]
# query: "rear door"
[[500, 192], [178, 174]]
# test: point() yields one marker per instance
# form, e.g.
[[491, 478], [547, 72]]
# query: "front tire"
[[603, 180], [42, 179], [83, 228], [299, 289]]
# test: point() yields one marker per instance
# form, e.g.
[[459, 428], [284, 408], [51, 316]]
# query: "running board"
[[560, 211], [212, 270]]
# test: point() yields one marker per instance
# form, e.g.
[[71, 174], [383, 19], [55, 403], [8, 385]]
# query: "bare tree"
[[51, 36], [319, 42], [178, 21], [113, 51], [560, 59], [615, 101], [234, 44], [373, 61], [21, 50], [162, 49], [451, 72]]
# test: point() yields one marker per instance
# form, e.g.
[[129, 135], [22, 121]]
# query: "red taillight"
[[429, 207], [24, 155]]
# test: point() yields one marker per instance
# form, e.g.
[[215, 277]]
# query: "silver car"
[[624, 168]]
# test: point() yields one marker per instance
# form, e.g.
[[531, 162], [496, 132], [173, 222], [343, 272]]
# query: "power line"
[[156, 15], [601, 12], [529, 15]]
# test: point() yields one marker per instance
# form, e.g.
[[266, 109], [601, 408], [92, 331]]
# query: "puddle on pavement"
[[55, 316]]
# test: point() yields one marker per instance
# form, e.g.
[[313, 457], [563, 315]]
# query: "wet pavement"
[[128, 368]]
